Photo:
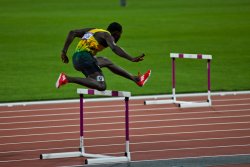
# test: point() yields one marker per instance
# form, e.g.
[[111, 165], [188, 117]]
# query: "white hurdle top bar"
[[190, 56], [104, 93]]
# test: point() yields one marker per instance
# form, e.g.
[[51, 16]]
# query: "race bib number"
[[87, 35]]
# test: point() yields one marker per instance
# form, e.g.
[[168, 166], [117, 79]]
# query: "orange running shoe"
[[143, 78], [62, 80]]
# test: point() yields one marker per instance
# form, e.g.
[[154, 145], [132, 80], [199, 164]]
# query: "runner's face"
[[116, 35]]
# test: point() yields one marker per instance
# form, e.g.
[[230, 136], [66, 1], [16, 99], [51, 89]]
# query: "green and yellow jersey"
[[89, 43]]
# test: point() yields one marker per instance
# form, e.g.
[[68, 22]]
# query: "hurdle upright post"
[[173, 79], [209, 81], [81, 125], [127, 153]]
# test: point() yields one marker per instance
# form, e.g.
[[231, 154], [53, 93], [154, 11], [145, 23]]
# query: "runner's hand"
[[139, 58], [64, 58]]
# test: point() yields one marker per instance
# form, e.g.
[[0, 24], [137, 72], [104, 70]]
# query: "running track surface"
[[157, 131]]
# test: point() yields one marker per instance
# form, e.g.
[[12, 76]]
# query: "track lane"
[[157, 132]]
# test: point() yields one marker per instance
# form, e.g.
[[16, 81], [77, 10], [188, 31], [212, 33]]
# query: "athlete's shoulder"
[[95, 30]]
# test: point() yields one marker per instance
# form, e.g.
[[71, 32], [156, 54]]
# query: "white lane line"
[[142, 135], [170, 133], [168, 120], [40, 127], [190, 140], [42, 141], [19, 160], [27, 122], [226, 100], [67, 108], [164, 114], [76, 113], [132, 143], [46, 115], [41, 134], [226, 105], [66, 114], [35, 150], [42, 109], [193, 148], [103, 106]]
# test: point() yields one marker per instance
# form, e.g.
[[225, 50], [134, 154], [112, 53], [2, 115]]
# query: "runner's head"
[[116, 30]]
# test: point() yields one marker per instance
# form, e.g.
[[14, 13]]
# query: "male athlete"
[[92, 41]]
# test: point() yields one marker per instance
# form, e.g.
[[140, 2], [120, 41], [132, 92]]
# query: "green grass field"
[[32, 34]]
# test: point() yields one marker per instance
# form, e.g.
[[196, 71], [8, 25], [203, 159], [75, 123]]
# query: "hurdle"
[[186, 104], [97, 158]]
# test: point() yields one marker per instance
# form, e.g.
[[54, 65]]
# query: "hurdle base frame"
[[181, 104], [90, 158], [185, 104]]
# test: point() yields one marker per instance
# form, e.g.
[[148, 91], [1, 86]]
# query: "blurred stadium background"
[[32, 34]]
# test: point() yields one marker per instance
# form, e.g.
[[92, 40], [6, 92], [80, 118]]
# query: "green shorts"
[[86, 63]]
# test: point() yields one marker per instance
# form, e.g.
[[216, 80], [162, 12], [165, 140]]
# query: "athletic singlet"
[[89, 43]]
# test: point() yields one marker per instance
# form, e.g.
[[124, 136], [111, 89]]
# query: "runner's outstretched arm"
[[119, 51]]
